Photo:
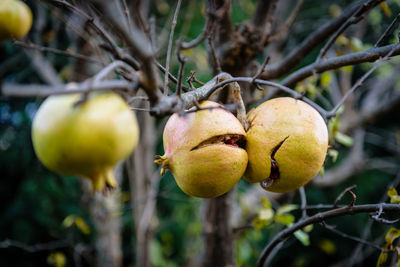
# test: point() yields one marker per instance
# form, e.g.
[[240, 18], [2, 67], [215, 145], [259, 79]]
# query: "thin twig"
[[170, 76], [32, 90], [273, 84], [347, 190], [128, 16], [33, 248], [387, 31], [285, 27], [261, 69], [182, 61], [133, 98], [354, 238], [367, 229], [169, 49], [303, 202], [109, 68], [214, 54], [313, 40], [319, 217], [67, 53], [355, 18], [377, 217], [195, 42], [360, 81], [369, 55], [141, 109], [111, 44]]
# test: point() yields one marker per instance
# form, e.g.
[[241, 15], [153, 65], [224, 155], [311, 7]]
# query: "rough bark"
[[217, 231], [141, 185], [105, 212]]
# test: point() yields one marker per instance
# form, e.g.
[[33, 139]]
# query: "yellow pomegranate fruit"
[[286, 143], [15, 19], [204, 151], [85, 139]]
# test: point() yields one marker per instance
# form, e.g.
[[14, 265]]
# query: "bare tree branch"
[[387, 31], [33, 248], [313, 40], [369, 55], [36, 90], [360, 81], [320, 217], [281, 32], [67, 53], [169, 49], [354, 238], [355, 18], [264, 16]]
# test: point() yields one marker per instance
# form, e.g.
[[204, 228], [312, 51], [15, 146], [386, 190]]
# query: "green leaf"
[[394, 196], [333, 127], [382, 259], [356, 44], [286, 208], [68, 221], [266, 214], [335, 10], [348, 69], [327, 246], [326, 79], [322, 172], [285, 219], [81, 224], [57, 259], [308, 228], [302, 237], [344, 139], [386, 9], [265, 203], [264, 218], [391, 235], [333, 153]]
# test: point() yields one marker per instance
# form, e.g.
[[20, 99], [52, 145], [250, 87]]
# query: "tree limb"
[[313, 40], [369, 55], [320, 217]]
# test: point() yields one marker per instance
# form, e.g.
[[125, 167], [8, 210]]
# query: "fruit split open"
[[235, 140]]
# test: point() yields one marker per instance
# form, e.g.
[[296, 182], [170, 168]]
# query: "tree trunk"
[[143, 189], [217, 231], [105, 212]]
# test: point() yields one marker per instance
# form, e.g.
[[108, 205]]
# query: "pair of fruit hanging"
[[207, 151]]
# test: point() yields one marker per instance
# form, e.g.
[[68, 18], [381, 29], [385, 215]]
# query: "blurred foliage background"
[[44, 217]]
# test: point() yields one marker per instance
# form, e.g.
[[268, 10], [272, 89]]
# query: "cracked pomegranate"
[[85, 139], [286, 143], [204, 150]]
